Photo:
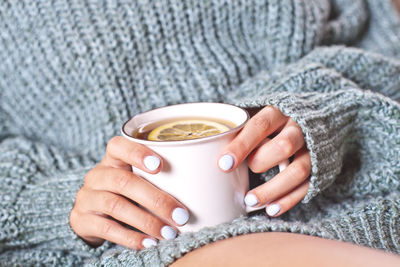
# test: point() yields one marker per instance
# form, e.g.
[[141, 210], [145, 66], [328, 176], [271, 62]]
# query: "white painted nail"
[[273, 209], [226, 162], [168, 232], [148, 242], [283, 165], [151, 162], [250, 200], [180, 216]]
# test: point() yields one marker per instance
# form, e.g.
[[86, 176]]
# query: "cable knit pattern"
[[71, 72]]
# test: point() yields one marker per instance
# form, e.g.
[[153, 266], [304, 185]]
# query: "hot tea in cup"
[[190, 139], [182, 128]]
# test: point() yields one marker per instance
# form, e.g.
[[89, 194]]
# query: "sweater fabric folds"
[[71, 72]]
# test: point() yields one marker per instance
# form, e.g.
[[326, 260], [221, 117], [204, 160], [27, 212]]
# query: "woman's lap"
[[285, 249]]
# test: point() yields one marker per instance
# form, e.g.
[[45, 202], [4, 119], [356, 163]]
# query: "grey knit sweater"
[[72, 71]]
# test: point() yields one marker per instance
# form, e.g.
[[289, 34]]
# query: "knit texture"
[[71, 72]]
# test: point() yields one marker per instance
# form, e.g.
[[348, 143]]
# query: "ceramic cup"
[[190, 170]]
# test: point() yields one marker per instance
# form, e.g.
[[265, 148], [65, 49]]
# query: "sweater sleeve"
[[324, 99], [38, 187]]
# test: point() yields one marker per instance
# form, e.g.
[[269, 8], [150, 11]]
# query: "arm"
[[328, 106]]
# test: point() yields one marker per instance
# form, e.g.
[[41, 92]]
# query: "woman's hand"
[[105, 202], [288, 187]]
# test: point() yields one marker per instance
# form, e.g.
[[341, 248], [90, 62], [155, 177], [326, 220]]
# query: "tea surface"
[[182, 128]]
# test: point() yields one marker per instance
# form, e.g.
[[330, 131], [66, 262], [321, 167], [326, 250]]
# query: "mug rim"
[[184, 142]]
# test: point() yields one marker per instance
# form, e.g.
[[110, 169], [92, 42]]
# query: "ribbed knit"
[[71, 72]]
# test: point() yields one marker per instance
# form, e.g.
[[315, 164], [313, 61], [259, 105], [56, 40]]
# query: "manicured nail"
[[283, 165], [180, 216], [226, 162], [250, 200], [151, 162], [148, 242], [168, 232], [273, 209]]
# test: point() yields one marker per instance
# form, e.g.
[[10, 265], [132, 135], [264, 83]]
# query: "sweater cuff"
[[325, 119]]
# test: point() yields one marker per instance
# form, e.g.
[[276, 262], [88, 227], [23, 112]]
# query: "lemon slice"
[[186, 130]]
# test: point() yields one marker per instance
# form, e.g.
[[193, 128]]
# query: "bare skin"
[[272, 249], [290, 186], [111, 189], [285, 249]]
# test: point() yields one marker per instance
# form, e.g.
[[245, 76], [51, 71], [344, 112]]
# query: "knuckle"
[[105, 229], [122, 180], [302, 170], [293, 123], [159, 202], [242, 144], [79, 197], [262, 121], [295, 130], [135, 152], [90, 176], [149, 224], [286, 146], [112, 204], [112, 144], [132, 241]]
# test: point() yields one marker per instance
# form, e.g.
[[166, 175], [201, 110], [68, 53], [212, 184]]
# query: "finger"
[[124, 211], [93, 227], [287, 202], [139, 190], [264, 123], [283, 164], [281, 147], [284, 182], [121, 153]]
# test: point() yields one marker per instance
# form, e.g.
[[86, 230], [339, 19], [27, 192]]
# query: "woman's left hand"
[[288, 187]]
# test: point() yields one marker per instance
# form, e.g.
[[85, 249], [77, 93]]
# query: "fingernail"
[[226, 162], [273, 209], [180, 216], [152, 162], [168, 232], [148, 242], [250, 200]]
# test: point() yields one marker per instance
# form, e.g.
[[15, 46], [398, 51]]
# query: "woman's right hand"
[[107, 200]]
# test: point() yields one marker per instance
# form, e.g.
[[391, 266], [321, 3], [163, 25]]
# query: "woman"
[[72, 72]]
